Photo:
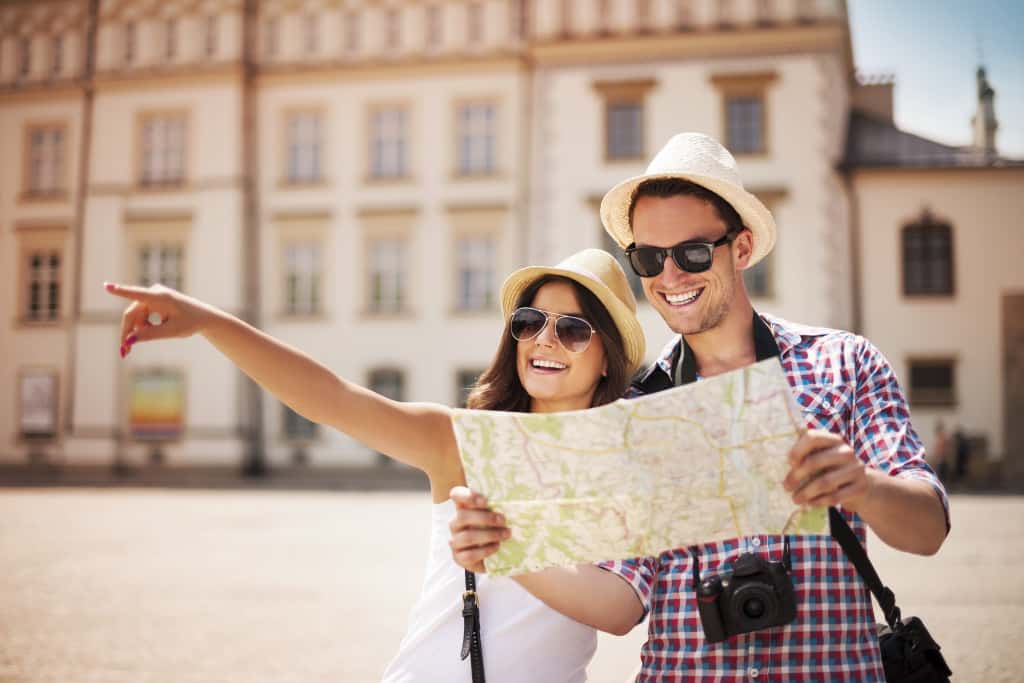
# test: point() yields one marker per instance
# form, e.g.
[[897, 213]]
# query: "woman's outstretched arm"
[[419, 434]]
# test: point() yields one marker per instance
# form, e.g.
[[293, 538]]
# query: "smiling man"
[[690, 229]]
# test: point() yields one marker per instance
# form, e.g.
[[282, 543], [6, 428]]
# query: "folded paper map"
[[690, 465]]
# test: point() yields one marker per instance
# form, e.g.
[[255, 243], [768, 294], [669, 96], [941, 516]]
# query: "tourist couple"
[[572, 341]]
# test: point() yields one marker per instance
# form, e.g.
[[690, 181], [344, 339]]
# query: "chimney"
[[873, 94], [984, 120]]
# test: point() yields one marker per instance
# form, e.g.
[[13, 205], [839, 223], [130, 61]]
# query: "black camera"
[[756, 594]]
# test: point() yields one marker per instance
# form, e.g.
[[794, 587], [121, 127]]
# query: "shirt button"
[[754, 673], [756, 542]]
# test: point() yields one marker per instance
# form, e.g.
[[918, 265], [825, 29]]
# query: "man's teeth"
[[683, 298], [549, 364]]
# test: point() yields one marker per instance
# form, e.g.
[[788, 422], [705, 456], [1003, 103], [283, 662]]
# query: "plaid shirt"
[[844, 385]]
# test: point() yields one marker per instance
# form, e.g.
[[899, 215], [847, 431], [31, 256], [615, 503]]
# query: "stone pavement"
[[119, 585]]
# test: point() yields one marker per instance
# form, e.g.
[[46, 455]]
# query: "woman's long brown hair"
[[499, 388]]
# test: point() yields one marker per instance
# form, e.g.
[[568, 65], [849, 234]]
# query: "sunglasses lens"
[[693, 258], [647, 261], [574, 333], [527, 323]]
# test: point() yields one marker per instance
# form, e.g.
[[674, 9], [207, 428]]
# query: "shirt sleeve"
[[883, 435], [639, 573]]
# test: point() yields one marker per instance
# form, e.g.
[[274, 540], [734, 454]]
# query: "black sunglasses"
[[693, 257], [573, 333]]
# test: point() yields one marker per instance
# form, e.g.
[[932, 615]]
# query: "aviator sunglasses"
[[692, 257], [572, 333]]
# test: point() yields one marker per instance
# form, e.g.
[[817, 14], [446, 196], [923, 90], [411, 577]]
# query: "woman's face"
[[555, 378]]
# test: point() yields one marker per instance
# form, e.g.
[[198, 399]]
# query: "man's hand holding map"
[[689, 465]]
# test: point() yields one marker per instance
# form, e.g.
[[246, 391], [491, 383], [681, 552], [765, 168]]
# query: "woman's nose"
[[547, 336]]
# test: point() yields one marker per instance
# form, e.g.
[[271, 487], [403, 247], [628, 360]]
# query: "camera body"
[[756, 594]]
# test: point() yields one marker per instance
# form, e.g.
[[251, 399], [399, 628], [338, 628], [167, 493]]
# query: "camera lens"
[[754, 608]]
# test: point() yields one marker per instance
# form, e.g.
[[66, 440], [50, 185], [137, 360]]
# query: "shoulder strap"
[[844, 535], [472, 646]]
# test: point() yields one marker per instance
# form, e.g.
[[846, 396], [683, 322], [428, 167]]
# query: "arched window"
[[928, 257]]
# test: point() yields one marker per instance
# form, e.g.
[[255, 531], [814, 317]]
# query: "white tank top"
[[523, 639]]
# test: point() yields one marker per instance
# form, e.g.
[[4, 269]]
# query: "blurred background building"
[[357, 177]]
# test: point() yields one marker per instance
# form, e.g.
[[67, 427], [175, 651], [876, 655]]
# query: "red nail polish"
[[131, 340]]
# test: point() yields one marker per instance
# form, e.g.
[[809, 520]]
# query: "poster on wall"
[[156, 411], [38, 398]]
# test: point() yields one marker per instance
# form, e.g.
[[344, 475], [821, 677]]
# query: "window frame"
[[627, 92], [754, 86], [145, 118], [388, 226], [404, 142], [320, 177], [919, 397], [48, 239], [461, 135], [62, 171], [927, 222]]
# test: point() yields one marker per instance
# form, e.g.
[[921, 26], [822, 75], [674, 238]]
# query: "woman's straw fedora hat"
[[701, 160], [599, 272]]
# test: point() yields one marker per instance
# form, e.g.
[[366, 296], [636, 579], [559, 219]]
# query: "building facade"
[[358, 177]]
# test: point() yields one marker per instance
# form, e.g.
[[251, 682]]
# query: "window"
[[612, 247], [304, 135], [24, 57], [642, 13], [156, 410], [37, 404], [603, 13], [684, 15], [387, 275], [464, 382], [745, 124], [311, 34], [624, 134], [933, 381], [475, 257], [210, 43], [928, 257], [433, 37], [57, 55], [42, 286], [302, 278], [296, 427], [163, 150], [476, 139], [765, 12], [745, 110], [806, 10], [171, 39], [351, 32], [520, 19], [388, 382], [474, 23], [272, 36], [161, 262], [45, 160], [128, 43], [387, 143], [726, 13], [393, 28]]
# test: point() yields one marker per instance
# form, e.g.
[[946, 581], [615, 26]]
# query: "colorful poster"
[[38, 398], [157, 405]]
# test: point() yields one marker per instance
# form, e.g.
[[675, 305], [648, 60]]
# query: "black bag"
[[909, 653]]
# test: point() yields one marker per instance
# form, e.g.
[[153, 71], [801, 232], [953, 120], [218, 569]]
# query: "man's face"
[[690, 303]]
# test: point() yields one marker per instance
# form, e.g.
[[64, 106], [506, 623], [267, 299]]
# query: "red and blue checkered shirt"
[[844, 385]]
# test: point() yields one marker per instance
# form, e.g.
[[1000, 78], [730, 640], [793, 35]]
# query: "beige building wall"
[[983, 207]]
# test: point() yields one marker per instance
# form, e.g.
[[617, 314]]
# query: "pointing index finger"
[[128, 291]]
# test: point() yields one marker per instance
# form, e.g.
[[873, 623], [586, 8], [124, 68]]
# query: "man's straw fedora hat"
[[599, 272], [701, 160]]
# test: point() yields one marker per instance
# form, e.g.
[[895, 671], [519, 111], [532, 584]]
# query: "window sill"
[[470, 176], [382, 180], [31, 323], [384, 316], [161, 187], [36, 197], [317, 184]]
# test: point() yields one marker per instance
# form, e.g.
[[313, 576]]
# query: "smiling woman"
[[571, 341]]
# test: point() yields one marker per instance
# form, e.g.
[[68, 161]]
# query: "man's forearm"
[[905, 513], [588, 594]]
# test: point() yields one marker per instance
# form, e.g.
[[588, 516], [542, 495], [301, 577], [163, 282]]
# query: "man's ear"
[[743, 247]]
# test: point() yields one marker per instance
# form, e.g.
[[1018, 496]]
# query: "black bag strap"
[[472, 646], [844, 535]]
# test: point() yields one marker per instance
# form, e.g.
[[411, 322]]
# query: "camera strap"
[[844, 535], [472, 646]]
